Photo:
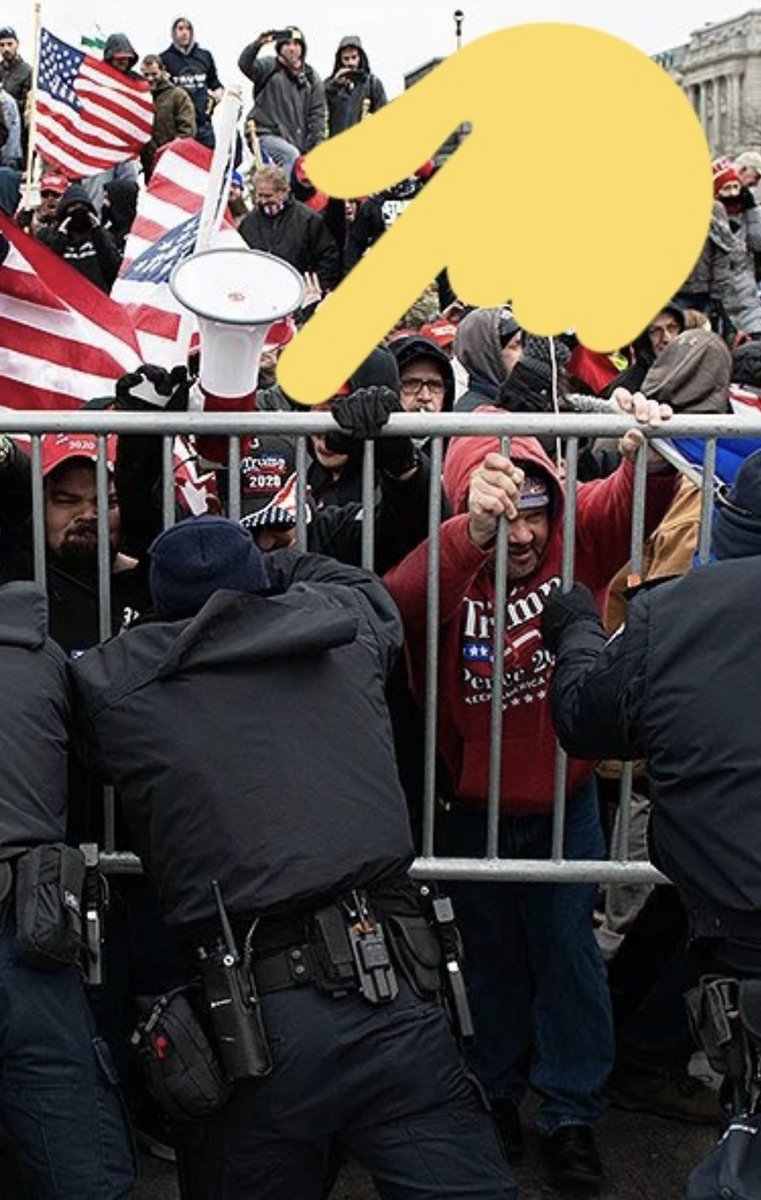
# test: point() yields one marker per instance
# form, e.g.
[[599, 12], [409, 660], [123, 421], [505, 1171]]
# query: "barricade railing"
[[436, 429]]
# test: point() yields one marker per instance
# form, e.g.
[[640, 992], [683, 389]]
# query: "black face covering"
[[733, 204], [79, 221]]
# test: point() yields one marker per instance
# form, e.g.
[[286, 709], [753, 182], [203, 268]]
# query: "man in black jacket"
[[286, 227], [193, 68], [211, 722], [57, 1085], [352, 91], [71, 516], [80, 239], [645, 694]]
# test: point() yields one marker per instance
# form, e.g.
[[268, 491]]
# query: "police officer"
[[679, 686], [247, 732], [57, 1087]]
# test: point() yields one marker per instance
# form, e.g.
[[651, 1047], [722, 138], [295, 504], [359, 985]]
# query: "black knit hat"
[[736, 529], [196, 557]]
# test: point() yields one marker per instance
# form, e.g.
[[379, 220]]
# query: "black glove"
[[564, 609], [362, 416], [747, 199], [150, 388]]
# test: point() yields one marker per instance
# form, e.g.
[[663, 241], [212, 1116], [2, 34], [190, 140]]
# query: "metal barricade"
[[570, 426]]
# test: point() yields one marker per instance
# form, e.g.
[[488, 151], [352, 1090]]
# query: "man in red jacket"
[[536, 976]]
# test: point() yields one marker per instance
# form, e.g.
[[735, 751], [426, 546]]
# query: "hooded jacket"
[[477, 347], [119, 43], [194, 70], [410, 347], [643, 357], [466, 612], [281, 815], [285, 105], [93, 252], [378, 369], [34, 725], [365, 94]]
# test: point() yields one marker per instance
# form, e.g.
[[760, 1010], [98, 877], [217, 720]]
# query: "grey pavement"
[[645, 1158]]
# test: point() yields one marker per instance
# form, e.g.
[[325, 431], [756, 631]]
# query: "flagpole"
[[215, 202], [32, 101]]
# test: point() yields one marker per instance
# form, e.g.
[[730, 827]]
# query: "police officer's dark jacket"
[[681, 686], [252, 744], [34, 718]]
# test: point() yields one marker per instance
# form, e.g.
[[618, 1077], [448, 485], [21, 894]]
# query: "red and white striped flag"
[[61, 340], [89, 116], [163, 233]]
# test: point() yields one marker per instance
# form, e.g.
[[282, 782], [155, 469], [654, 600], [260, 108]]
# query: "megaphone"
[[236, 294]]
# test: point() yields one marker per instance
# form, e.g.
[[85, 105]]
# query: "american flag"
[[163, 233], [89, 117], [61, 340]]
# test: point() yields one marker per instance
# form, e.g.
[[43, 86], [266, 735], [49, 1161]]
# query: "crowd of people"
[[274, 992]]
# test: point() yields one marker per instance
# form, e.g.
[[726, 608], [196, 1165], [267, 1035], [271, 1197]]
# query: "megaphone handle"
[[215, 447]]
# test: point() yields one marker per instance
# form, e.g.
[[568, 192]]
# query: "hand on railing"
[[494, 490], [646, 412]]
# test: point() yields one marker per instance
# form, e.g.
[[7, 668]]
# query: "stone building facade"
[[720, 71]]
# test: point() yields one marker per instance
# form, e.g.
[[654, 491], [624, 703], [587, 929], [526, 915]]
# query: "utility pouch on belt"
[[49, 884], [179, 1066], [416, 952]]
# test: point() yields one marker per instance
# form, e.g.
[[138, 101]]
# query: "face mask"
[[271, 208], [733, 204]]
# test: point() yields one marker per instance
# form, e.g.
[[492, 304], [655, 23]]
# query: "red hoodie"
[[466, 608]]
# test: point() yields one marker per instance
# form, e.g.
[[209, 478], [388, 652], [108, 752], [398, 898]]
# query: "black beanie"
[[198, 556], [736, 531]]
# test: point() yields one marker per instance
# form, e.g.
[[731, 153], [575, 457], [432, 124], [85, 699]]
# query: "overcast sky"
[[398, 34]]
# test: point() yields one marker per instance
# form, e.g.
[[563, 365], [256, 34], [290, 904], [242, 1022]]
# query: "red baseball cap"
[[54, 183], [440, 331], [58, 448]]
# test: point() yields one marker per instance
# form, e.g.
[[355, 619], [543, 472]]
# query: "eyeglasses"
[[413, 387], [670, 329], [48, 195]]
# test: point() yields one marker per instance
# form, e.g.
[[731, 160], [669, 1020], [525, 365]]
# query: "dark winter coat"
[[93, 253], [285, 105], [174, 117], [34, 725], [195, 71], [364, 94], [681, 686], [298, 235], [300, 799]]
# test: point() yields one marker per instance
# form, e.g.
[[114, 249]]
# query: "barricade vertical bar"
[[497, 680], [167, 481], [569, 556], [104, 606], [432, 646], [301, 493], [39, 539], [706, 500], [368, 506], [233, 478], [104, 541], [639, 500]]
